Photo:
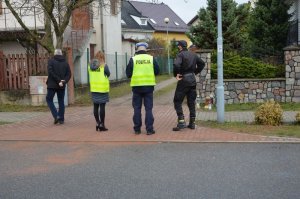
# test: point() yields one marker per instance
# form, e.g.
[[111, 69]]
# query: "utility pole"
[[220, 86], [166, 20]]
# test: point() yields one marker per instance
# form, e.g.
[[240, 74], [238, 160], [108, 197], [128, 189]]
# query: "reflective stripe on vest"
[[98, 81], [143, 71]]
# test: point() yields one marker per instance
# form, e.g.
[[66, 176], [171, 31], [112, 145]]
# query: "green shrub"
[[269, 113], [245, 67], [298, 117]]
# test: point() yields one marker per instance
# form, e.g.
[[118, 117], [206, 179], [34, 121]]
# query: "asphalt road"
[[152, 170]]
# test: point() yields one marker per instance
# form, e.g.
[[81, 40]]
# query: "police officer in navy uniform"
[[186, 65], [142, 69]]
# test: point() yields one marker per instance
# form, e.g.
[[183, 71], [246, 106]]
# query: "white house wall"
[[96, 35], [112, 34], [137, 35], [12, 48], [113, 44], [128, 48], [80, 69], [8, 21], [111, 40]]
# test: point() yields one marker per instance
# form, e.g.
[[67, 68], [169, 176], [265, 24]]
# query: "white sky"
[[187, 9]]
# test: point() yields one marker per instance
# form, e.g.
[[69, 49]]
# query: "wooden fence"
[[15, 69]]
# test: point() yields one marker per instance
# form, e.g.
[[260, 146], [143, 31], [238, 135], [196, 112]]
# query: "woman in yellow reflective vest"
[[99, 87]]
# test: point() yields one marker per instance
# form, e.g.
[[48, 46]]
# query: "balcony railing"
[[32, 18]]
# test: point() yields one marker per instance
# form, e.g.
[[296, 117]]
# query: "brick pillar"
[[292, 73], [203, 83], [71, 94]]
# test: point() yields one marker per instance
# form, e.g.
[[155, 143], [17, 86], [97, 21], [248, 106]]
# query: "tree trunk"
[[59, 43]]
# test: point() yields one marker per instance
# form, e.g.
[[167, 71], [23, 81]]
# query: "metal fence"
[[117, 65]]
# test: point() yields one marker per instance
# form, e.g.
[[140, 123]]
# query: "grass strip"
[[22, 108], [285, 130], [2, 123]]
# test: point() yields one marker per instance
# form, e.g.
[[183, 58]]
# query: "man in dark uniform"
[[142, 69], [186, 65]]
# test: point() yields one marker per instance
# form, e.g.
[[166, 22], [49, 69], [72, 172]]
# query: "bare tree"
[[56, 15]]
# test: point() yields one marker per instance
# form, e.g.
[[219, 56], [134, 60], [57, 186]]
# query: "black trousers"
[[181, 91], [137, 102]]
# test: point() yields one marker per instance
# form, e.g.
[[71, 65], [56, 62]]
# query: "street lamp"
[[166, 20]]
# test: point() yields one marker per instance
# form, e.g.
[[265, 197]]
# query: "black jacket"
[[129, 71], [58, 69], [187, 62]]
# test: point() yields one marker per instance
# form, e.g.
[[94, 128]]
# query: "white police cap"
[[141, 44]]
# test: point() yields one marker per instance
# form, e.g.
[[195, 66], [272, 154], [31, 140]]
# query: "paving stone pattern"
[[80, 125]]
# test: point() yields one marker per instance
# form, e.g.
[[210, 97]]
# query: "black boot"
[[98, 126], [192, 124], [180, 125]]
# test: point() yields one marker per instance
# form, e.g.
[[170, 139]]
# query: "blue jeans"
[[137, 101], [60, 97]]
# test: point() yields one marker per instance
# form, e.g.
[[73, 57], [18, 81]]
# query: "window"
[[177, 24], [143, 21], [152, 20], [123, 22], [140, 21]]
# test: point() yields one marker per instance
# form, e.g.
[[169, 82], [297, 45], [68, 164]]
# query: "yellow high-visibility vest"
[[98, 81], [143, 71]]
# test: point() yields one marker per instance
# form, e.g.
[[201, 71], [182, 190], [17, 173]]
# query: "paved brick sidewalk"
[[80, 126]]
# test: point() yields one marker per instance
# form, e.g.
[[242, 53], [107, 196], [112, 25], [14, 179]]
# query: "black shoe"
[[55, 121], [150, 132], [191, 126], [137, 132], [103, 128], [179, 126], [61, 121]]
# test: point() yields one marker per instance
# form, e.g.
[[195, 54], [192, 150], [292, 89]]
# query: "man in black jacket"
[[58, 76], [186, 65]]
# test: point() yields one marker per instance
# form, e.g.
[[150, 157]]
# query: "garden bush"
[[245, 67], [269, 113]]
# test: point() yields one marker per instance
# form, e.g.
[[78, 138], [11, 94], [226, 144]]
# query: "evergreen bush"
[[236, 67]]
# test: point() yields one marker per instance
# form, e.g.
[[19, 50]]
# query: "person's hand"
[[61, 83], [179, 77]]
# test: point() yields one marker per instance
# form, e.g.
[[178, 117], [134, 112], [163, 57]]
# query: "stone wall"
[[203, 85], [292, 73], [254, 90]]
